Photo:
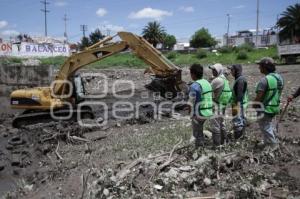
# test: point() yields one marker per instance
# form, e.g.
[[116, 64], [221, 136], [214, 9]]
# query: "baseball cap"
[[215, 66], [265, 61]]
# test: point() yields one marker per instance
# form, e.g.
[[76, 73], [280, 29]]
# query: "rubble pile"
[[20, 147], [237, 172]]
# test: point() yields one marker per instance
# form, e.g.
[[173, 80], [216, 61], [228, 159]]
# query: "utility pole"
[[83, 28], [228, 26], [108, 32], [257, 23], [277, 30], [65, 20], [45, 13]]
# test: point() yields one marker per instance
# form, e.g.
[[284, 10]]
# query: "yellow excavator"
[[38, 102]]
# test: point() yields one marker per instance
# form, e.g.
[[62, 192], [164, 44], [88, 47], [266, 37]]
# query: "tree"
[[85, 42], [20, 37], [202, 38], [24, 37], [289, 23], [154, 33], [169, 41], [96, 36]]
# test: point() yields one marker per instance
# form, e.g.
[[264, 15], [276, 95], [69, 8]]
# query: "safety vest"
[[271, 99], [226, 95], [245, 97], [205, 105]]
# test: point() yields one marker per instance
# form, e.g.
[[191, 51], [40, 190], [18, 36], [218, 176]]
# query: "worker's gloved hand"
[[290, 98]]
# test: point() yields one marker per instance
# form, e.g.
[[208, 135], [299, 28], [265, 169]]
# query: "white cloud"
[[106, 25], [187, 9], [3, 24], [114, 28], [239, 7], [150, 13], [60, 3], [101, 12], [9, 33]]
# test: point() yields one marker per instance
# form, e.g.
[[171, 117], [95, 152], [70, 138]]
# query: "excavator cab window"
[[79, 90]]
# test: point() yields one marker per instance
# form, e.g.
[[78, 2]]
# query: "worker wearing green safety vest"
[[239, 100], [271, 99], [222, 97], [268, 92], [226, 95], [200, 99], [206, 101]]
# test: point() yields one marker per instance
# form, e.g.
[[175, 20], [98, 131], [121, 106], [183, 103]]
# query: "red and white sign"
[[34, 50], [5, 48]]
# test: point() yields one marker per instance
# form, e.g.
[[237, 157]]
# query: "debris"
[[28, 187], [207, 181], [56, 152], [122, 174], [85, 179], [158, 187], [31, 62], [106, 192]]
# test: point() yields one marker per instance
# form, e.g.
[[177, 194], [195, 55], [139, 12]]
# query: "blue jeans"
[[268, 129]]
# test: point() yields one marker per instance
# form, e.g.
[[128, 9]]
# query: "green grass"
[[156, 139], [226, 58], [128, 60], [123, 60], [56, 61], [10, 60]]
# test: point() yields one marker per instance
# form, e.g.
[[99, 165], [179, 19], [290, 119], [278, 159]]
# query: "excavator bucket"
[[167, 77]]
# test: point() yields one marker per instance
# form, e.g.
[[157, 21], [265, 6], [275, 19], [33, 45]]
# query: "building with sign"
[[264, 39]]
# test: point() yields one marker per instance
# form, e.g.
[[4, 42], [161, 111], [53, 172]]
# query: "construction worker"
[[295, 95], [200, 97], [222, 95], [239, 100], [268, 92]]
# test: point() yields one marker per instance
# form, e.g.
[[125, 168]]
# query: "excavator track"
[[29, 118]]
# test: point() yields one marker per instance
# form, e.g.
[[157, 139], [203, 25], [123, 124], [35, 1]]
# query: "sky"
[[179, 17]]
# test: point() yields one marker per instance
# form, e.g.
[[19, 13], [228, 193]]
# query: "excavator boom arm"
[[79, 60], [160, 66]]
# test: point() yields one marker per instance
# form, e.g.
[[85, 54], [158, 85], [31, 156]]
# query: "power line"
[[83, 28], [45, 13]]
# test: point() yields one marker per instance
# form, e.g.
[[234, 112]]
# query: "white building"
[[181, 46], [264, 38]]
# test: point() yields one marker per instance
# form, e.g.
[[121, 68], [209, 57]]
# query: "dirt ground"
[[144, 157]]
